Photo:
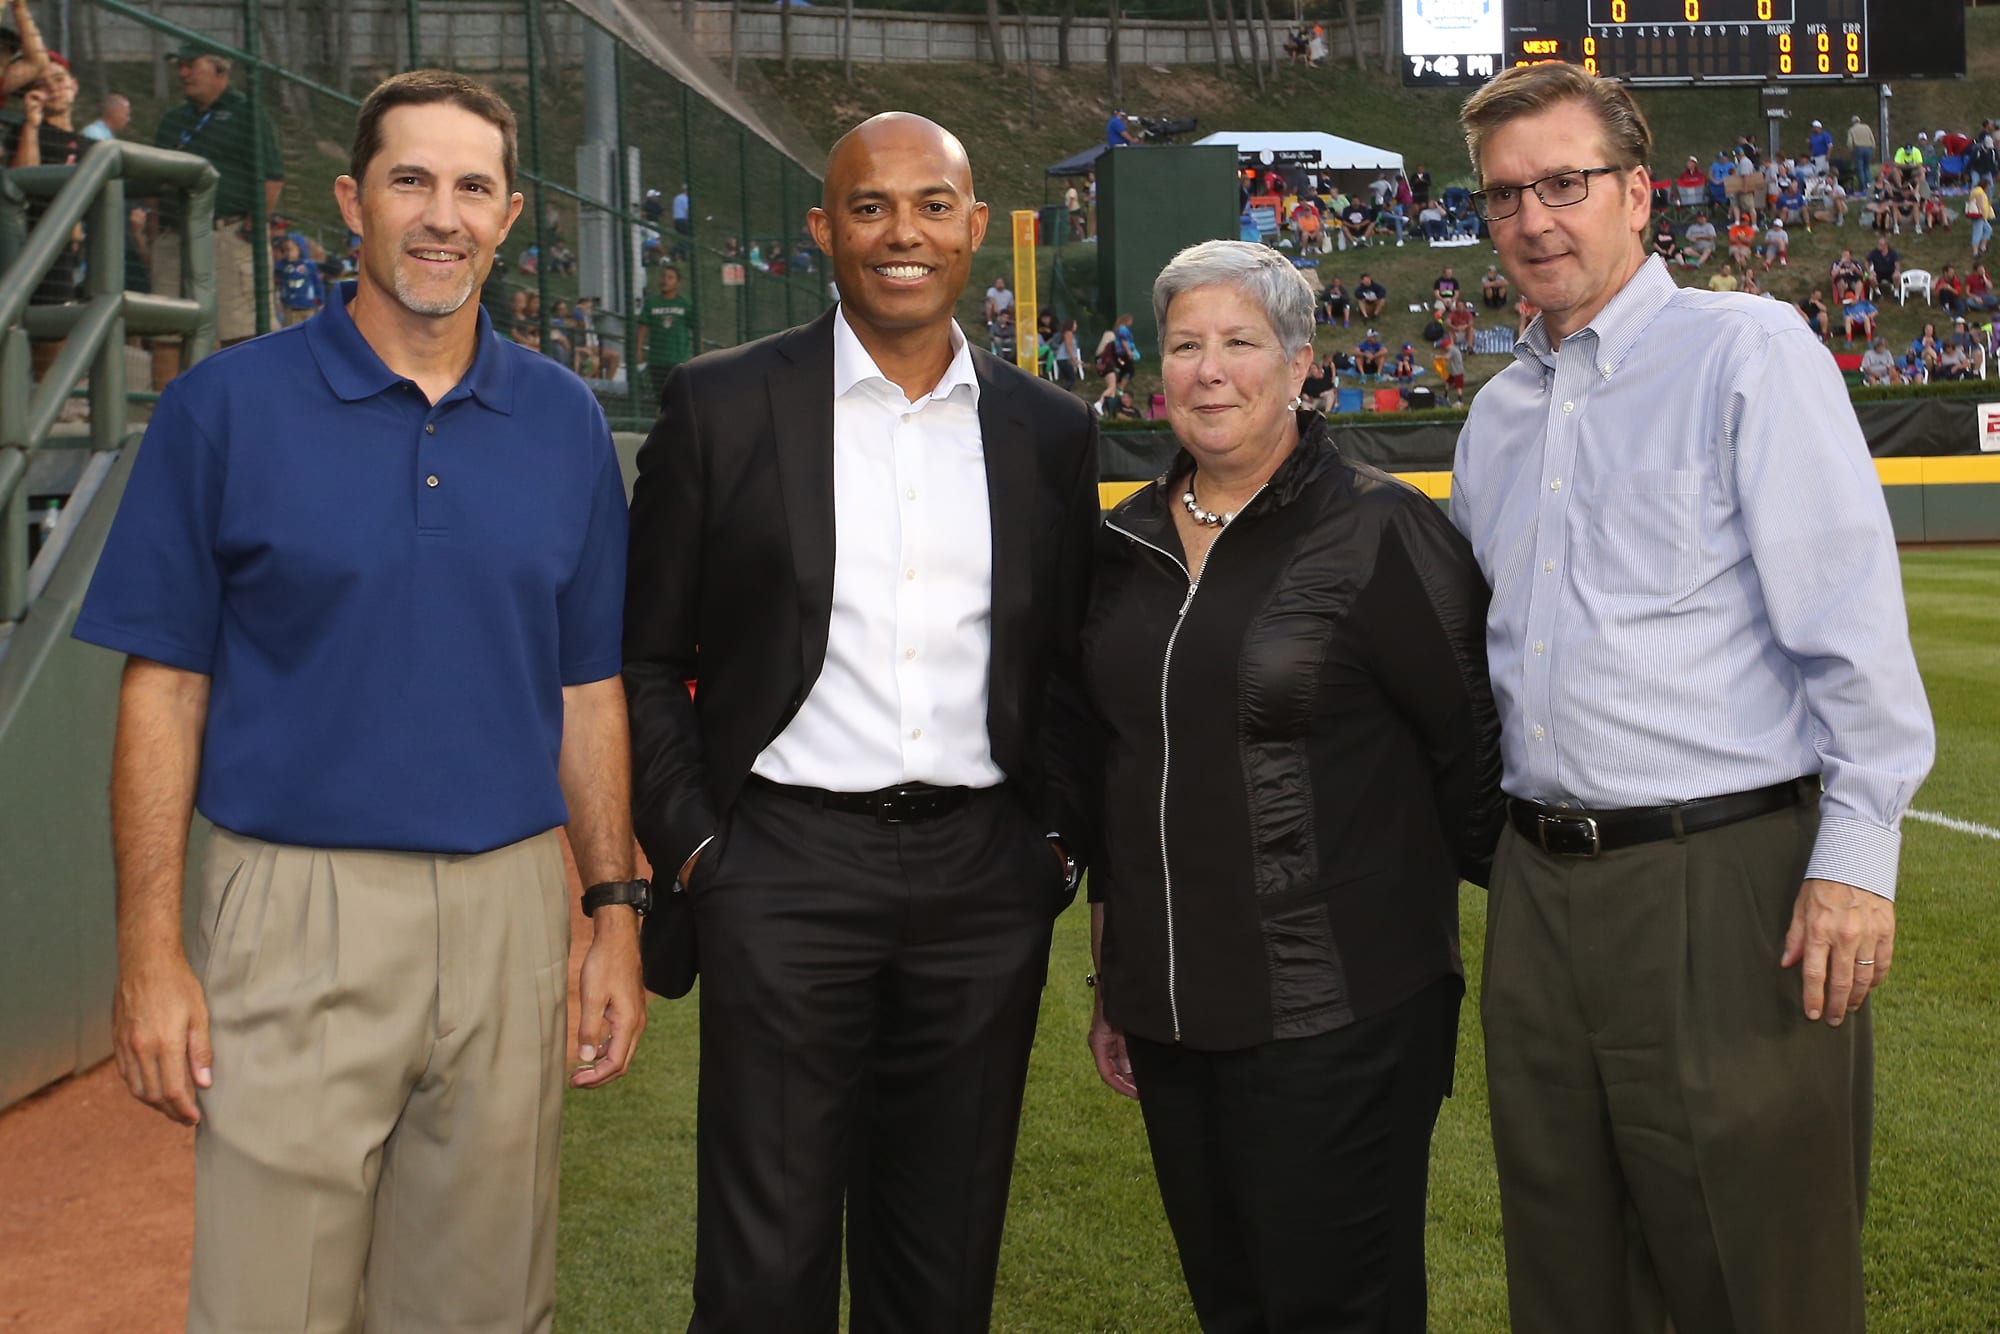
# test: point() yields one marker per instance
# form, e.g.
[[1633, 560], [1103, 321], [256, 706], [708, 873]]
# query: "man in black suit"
[[868, 544]]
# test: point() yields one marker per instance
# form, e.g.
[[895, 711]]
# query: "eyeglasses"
[[1558, 191]]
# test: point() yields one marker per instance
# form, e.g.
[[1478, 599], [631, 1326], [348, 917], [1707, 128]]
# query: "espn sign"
[[1989, 428]]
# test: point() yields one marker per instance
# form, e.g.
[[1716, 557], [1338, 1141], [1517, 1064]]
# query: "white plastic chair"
[[1911, 280]]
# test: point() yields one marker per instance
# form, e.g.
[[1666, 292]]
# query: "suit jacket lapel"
[[801, 392], [1009, 448]]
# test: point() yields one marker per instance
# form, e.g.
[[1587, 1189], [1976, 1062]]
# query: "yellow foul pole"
[[1026, 312]]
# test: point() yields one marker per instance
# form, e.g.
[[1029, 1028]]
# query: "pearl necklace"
[[1201, 515]]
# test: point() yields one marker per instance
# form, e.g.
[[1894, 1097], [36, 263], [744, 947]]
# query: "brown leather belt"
[[1583, 833]]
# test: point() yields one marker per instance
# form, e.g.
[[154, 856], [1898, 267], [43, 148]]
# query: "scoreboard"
[[1687, 41]]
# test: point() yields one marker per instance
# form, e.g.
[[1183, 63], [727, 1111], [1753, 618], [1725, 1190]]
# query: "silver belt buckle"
[[1587, 823]]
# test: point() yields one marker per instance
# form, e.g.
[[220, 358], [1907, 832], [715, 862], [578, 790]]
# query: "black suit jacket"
[[730, 579]]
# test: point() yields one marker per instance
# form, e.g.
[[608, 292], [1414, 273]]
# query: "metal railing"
[[91, 193]]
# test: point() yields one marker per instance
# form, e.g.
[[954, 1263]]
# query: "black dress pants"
[[1294, 1173], [869, 994]]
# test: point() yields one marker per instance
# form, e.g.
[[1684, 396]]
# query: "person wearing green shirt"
[[668, 319], [215, 122]]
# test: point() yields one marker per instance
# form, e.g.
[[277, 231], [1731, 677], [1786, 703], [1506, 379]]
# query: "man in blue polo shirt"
[[369, 571]]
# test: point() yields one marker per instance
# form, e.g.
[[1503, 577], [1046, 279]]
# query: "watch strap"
[[634, 894]]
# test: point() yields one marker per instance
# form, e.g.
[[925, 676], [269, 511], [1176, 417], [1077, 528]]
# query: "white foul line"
[[1962, 826]]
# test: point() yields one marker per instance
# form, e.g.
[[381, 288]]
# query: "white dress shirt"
[[902, 697], [1695, 583]]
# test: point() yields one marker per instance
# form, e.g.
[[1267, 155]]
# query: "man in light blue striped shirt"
[[1712, 724]]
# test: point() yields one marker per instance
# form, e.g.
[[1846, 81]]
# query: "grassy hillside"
[[1015, 124]]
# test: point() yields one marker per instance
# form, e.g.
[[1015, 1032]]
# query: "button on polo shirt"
[[388, 595]]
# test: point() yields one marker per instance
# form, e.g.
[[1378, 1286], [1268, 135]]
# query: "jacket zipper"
[[1167, 747]]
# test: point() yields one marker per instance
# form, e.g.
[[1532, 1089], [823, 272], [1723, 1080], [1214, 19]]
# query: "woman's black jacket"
[[1300, 755]]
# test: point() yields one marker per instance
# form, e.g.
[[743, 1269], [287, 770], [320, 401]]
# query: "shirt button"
[[909, 653], [1607, 368], [1548, 565], [1556, 485], [431, 480], [1538, 731], [430, 428], [916, 732], [1569, 406], [910, 574], [1538, 646], [910, 494]]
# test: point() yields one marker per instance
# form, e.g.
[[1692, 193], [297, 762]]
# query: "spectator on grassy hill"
[[1723, 279], [1777, 245], [1460, 319], [1911, 155], [1691, 186], [1113, 361], [1857, 316], [1928, 345], [1861, 144], [1826, 201], [1431, 221], [1002, 337], [1975, 349], [1948, 290], [1404, 369], [1742, 238], [1420, 184], [1817, 316], [1068, 357], [596, 347], [1983, 162], [1885, 264], [1792, 204], [1444, 290], [1320, 390], [1333, 303], [1698, 242], [1747, 283], [1308, 228], [1718, 178], [1369, 354], [1369, 298], [1454, 370], [1953, 363], [1119, 405], [1819, 147], [1849, 271], [1357, 224], [1493, 288], [1979, 292], [998, 298], [1878, 365], [1665, 244], [1979, 212], [1391, 217]]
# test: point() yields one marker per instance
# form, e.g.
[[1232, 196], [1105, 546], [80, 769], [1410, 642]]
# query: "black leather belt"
[[909, 803], [1580, 833]]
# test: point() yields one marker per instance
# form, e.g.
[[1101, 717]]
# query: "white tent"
[[1305, 150]]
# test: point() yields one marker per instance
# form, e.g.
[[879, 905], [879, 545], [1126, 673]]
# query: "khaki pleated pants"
[[378, 1150]]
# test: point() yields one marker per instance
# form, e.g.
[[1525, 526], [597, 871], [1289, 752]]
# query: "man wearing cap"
[[1115, 135], [1861, 143], [1819, 145], [215, 122]]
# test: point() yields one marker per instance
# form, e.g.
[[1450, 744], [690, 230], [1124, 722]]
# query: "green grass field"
[[1087, 1248]]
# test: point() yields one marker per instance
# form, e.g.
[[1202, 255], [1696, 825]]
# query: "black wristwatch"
[[634, 894], [1071, 873]]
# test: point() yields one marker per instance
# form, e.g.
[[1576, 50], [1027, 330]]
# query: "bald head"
[[900, 222], [900, 135]]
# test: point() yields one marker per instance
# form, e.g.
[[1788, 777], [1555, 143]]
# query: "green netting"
[[601, 126]]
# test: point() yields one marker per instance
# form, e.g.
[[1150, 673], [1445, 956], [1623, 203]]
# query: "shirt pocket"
[[1640, 541]]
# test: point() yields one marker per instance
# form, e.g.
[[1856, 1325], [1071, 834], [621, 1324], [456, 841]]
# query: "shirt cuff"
[[1855, 852]]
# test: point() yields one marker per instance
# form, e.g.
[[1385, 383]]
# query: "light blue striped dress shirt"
[[1695, 584]]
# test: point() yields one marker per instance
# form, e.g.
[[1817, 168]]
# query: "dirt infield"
[[97, 1202]]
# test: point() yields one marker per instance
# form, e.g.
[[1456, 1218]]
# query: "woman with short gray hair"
[[1285, 819]]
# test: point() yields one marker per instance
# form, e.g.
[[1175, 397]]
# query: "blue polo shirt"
[[387, 595]]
